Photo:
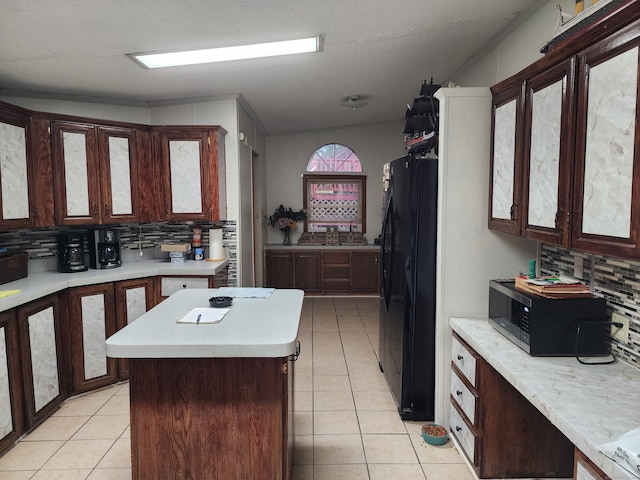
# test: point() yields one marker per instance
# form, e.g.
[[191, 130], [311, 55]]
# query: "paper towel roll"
[[216, 250]]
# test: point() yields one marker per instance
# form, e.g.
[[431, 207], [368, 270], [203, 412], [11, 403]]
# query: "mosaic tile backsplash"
[[41, 243], [618, 281]]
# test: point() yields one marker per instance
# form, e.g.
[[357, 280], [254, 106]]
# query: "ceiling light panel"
[[225, 54]]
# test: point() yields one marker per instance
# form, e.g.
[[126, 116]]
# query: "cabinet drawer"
[[335, 258], [464, 397], [336, 285], [466, 437], [336, 271], [170, 285], [464, 360]]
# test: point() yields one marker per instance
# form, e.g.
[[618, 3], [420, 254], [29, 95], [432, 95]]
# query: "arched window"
[[334, 198], [334, 157]]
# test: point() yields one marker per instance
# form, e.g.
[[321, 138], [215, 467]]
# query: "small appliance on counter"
[[104, 248], [548, 326], [71, 252]]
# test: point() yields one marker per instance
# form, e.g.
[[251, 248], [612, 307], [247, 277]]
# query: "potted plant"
[[285, 219]]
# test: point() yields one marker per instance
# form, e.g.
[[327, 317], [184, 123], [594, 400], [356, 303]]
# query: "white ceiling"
[[380, 48]]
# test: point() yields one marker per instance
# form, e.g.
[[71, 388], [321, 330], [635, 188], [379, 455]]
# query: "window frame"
[[328, 177]]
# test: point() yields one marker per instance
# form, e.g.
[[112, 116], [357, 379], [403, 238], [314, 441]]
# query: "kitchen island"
[[212, 400]]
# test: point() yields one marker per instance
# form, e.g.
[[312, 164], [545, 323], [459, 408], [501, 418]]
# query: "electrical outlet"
[[621, 334]]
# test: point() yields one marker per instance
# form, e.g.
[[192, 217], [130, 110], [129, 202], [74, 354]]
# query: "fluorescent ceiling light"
[[224, 54]]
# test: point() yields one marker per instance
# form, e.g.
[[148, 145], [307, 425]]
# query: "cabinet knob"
[[458, 429], [458, 392], [184, 285], [459, 357]]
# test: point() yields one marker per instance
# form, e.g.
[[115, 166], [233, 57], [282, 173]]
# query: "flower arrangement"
[[285, 218]]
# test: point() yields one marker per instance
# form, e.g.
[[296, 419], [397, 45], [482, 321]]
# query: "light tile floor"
[[346, 423]]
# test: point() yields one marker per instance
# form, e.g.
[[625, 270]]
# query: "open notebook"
[[204, 315]]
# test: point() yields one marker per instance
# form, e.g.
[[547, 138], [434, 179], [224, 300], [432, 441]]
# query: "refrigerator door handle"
[[385, 265]]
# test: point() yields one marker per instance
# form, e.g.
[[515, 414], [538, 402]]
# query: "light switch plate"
[[621, 334]]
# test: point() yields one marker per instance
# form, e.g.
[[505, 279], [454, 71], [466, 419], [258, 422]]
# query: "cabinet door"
[[191, 158], [606, 197], [118, 174], [134, 299], [308, 275], [506, 160], [279, 267], [76, 174], [41, 346], [11, 403], [548, 154], [93, 320], [15, 205], [364, 272]]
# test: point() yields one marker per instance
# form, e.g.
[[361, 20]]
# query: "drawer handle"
[[458, 392], [460, 357], [458, 429]]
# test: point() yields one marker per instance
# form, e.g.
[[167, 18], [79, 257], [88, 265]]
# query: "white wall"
[[513, 49], [287, 157]]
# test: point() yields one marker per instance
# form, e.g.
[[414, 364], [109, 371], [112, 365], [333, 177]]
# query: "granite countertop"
[[38, 285], [253, 327], [589, 404]]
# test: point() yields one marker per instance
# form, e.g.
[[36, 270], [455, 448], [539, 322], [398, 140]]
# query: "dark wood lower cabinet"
[[500, 432], [133, 299], [44, 373], [11, 403], [308, 272], [324, 271], [279, 269], [364, 272], [213, 418], [93, 319]]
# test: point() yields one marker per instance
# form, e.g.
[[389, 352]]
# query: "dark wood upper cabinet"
[[97, 176], [548, 155], [76, 173], [118, 162], [17, 169], [568, 122], [505, 208], [192, 160], [607, 176]]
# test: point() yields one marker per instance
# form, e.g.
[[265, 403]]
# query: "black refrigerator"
[[407, 300]]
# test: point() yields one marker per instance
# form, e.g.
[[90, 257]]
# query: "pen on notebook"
[[198, 319]]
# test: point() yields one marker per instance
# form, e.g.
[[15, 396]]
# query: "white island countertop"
[[253, 327], [589, 404]]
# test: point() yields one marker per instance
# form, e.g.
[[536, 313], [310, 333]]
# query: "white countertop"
[[38, 285], [589, 404], [254, 327]]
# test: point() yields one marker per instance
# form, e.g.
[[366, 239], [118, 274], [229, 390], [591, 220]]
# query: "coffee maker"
[[71, 252], [104, 248]]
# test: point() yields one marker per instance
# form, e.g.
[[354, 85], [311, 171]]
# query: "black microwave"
[[548, 326]]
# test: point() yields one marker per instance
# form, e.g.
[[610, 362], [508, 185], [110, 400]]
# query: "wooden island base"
[[211, 418]]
